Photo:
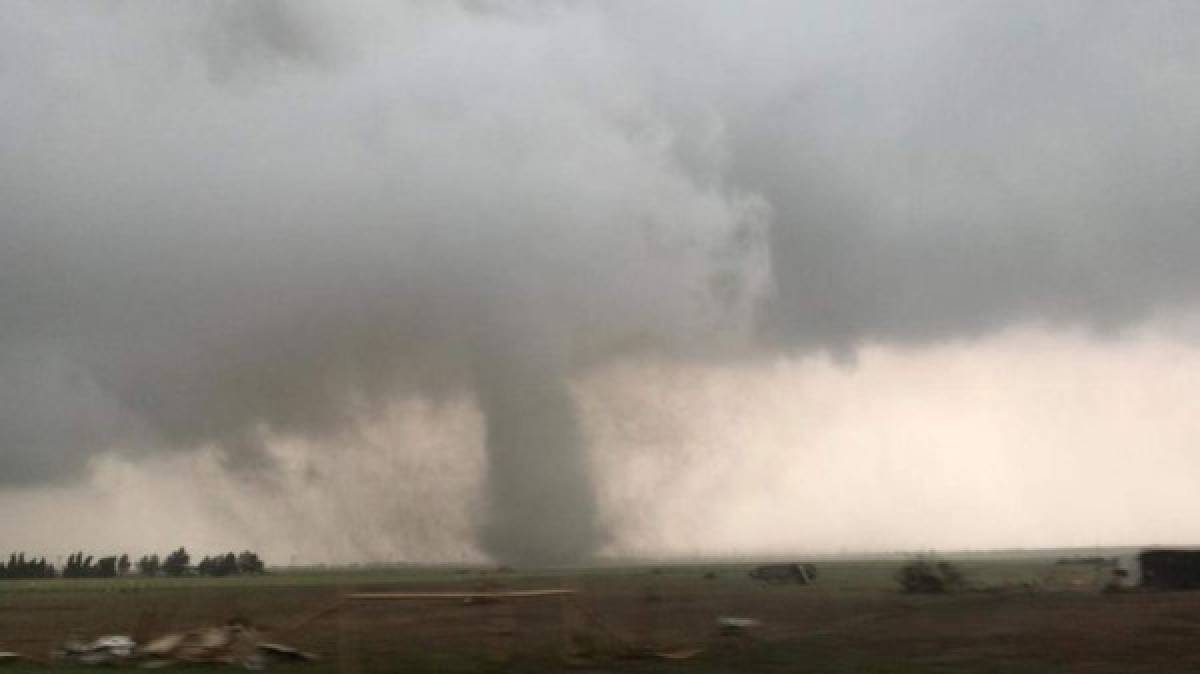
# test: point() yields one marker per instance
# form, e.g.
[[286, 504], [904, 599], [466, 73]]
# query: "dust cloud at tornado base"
[[1050, 440], [231, 230]]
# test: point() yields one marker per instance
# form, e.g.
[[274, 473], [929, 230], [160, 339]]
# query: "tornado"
[[541, 505]]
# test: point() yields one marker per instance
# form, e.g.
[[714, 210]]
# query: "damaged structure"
[[801, 574]]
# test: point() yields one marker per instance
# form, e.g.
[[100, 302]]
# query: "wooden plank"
[[428, 596]]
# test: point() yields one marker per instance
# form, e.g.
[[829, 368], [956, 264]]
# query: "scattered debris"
[[923, 575], [1120, 580], [235, 643], [730, 625], [286, 653], [107, 650], [801, 574]]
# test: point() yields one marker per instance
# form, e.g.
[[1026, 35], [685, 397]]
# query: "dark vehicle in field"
[[801, 574], [1167, 569]]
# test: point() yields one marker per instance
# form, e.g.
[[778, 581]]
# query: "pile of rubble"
[[233, 644]]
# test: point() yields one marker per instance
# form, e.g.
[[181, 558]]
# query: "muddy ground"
[[1020, 616]]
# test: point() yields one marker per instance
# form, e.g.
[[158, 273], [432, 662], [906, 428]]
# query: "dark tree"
[[248, 562], [227, 565], [75, 567], [19, 567], [206, 566], [176, 563], [148, 565], [106, 567]]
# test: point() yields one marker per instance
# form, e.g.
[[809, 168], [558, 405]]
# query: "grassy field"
[[1021, 615]]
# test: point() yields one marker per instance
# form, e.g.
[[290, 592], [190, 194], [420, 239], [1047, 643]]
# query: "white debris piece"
[[231, 644], [105, 650], [281, 652]]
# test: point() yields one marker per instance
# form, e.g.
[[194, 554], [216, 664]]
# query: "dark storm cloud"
[[941, 169], [952, 168], [232, 221], [224, 221]]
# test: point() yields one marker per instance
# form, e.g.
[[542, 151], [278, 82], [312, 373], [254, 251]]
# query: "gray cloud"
[[236, 220], [232, 221], [941, 169], [959, 167]]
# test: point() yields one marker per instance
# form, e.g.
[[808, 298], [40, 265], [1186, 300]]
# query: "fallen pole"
[[424, 596]]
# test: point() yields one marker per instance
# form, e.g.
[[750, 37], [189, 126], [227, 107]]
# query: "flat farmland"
[[1026, 615]]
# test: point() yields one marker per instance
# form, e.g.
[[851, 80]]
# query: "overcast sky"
[[543, 280]]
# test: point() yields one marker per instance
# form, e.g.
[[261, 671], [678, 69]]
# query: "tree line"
[[175, 564], [19, 567]]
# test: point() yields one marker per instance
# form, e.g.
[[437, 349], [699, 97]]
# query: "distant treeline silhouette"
[[19, 567], [78, 566], [178, 563]]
